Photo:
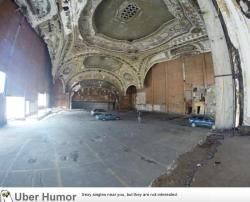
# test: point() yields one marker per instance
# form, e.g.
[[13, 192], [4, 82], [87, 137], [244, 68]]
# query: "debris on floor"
[[183, 171], [217, 162]]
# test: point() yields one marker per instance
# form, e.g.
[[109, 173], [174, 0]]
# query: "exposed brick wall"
[[165, 86], [175, 87], [23, 55]]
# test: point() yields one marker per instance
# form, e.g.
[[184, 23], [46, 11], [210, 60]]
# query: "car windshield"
[[99, 110], [203, 118]]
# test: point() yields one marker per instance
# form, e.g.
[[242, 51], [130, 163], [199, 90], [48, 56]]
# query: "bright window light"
[[27, 107], [2, 82], [42, 100], [15, 107]]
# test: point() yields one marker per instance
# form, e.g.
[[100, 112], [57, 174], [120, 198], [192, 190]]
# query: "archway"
[[131, 97], [94, 94]]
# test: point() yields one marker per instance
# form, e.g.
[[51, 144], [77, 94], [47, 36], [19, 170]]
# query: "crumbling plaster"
[[68, 45], [238, 27]]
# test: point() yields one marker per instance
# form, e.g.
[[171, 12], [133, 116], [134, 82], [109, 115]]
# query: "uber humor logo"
[[5, 196]]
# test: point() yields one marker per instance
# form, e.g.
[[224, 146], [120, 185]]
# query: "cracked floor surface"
[[221, 161], [229, 168], [73, 149]]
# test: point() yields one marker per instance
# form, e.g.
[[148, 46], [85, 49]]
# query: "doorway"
[[131, 94]]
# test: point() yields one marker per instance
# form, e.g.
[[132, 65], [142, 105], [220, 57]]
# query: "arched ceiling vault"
[[105, 86], [122, 39], [97, 74]]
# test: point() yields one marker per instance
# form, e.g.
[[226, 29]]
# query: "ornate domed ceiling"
[[116, 41], [130, 20]]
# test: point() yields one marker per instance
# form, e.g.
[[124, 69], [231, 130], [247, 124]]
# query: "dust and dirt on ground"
[[182, 172]]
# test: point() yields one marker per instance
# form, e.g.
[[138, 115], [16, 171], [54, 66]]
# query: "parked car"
[[108, 117], [95, 112], [202, 121]]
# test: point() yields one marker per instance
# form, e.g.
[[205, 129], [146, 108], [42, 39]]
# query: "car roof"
[[202, 117]]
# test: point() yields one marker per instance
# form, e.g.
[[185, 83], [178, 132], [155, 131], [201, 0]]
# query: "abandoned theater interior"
[[176, 73]]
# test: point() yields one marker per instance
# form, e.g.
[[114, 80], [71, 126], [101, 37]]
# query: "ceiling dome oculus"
[[136, 26], [130, 20]]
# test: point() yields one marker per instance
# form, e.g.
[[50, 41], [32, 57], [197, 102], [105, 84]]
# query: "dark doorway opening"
[[131, 94], [198, 109]]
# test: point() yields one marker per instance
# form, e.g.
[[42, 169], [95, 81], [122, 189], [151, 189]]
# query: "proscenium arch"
[[72, 92], [96, 83], [126, 68], [98, 75], [92, 83]]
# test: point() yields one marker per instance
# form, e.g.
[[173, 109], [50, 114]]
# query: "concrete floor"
[[73, 149], [229, 167]]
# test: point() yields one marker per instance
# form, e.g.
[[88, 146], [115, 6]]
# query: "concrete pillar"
[[222, 66], [238, 26], [69, 99]]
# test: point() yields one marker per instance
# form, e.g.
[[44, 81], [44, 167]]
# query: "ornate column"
[[236, 17], [222, 66]]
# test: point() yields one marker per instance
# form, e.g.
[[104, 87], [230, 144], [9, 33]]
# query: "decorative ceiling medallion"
[[128, 77], [130, 20], [100, 29], [128, 10]]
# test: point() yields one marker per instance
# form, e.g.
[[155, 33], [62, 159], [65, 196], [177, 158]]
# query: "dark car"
[[108, 117], [95, 112], [202, 121]]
